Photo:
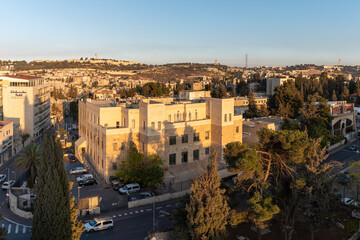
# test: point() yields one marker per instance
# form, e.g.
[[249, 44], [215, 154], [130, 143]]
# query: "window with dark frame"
[[184, 157], [184, 138], [196, 137], [172, 140], [196, 154], [207, 151], [172, 159]]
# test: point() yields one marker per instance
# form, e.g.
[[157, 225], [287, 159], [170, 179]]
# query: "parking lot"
[[110, 199]]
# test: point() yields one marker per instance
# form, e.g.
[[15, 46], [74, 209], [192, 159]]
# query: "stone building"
[[180, 132]]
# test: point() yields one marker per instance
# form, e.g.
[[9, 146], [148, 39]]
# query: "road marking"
[[16, 222], [136, 211], [114, 216], [125, 214], [9, 228], [141, 210], [17, 228], [149, 209], [158, 208], [119, 215], [24, 229], [168, 205]]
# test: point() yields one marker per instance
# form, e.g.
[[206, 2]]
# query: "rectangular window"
[[124, 122], [207, 135], [237, 129], [196, 137], [159, 125], [122, 146], [144, 125], [115, 146], [114, 166], [133, 123], [225, 119], [153, 126], [184, 138], [117, 124], [169, 118], [196, 154], [184, 157], [172, 140], [207, 151], [229, 117], [172, 159]]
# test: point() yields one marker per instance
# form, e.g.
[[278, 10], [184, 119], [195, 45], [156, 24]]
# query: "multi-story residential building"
[[252, 126], [272, 83], [180, 132], [6, 140], [25, 101], [242, 103]]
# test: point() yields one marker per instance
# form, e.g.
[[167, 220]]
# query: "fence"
[[170, 186]]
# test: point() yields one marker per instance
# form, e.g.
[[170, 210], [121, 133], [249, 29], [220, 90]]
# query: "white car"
[[2, 178], [78, 170], [130, 188], [84, 177], [349, 201], [8, 185], [99, 224]]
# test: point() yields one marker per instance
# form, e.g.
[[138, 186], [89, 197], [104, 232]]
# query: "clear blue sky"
[[155, 32]]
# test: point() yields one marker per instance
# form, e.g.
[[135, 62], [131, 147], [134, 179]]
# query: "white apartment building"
[[272, 83], [25, 101]]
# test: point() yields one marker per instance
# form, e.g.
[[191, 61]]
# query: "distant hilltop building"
[[96, 56], [216, 62], [339, 61]]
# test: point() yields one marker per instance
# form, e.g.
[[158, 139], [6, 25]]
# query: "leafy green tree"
[[77, 227], [261, 211], [74, 110], [72, 93], [319, 202], [286, 101], [179, 219], [345, 94], [252, 111], [146, 170], [24, 138], [242, 88], [352, 87], [29, 160], [219, 92], [52, 207], [207, 211]]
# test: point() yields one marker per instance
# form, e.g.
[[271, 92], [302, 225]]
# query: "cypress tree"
[[51, 218], [207, 212]]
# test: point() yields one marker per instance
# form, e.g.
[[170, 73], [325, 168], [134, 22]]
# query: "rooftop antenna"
[[246, 60]]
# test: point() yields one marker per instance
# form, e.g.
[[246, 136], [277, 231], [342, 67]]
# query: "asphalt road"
[[345, 155]]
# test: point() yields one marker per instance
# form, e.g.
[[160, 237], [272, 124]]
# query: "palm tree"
[[29, 160]]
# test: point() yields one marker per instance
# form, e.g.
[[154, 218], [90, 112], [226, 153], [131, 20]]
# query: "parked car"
[[118, 185], [99, 224], [350, 202], [72, 157], [2, 178], [84, 177], [8, 185], [86, 182], [78, 170], [343, 179], [352, 148], [142, 195], [130, 188]]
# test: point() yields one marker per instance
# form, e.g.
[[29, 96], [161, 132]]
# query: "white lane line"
[[149, 209], [114, 216], [141, 210], [125, 214], [9, 228], [17, 228], [15, 222], [168, 205], [24, 229]]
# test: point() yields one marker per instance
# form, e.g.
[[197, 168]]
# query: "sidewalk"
[[343, 146]]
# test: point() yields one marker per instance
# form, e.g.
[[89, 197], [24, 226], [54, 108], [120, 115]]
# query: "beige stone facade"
[[180, 132]]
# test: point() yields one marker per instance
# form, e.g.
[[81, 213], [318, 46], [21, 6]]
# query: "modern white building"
[[25, 101]]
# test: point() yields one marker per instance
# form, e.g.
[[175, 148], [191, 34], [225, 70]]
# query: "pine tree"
[[252, 110], [51, 218], [207, 212], [77, 227]]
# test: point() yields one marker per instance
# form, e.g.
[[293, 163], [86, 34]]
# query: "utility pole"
[[246, 60]]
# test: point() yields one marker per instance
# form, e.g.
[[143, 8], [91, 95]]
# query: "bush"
[[351, 227]]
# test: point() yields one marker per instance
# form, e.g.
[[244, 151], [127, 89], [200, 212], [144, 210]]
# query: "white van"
[[99, 224], [84, 177], [130, 188]]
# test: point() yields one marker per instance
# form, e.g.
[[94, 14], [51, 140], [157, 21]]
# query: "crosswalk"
[[13, 228]]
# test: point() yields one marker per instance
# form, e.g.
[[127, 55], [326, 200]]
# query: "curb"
[[16, 223]]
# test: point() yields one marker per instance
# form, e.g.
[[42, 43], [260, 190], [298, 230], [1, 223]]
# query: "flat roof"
[[23, 77]]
